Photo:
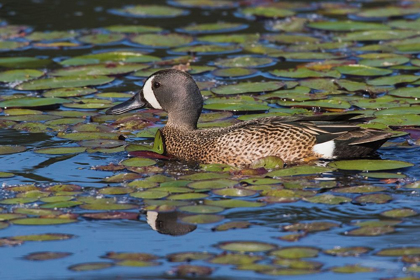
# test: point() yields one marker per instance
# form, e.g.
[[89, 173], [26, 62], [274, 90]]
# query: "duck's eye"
[[156, 84]]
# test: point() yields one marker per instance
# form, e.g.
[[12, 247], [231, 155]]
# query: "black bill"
[[135, 102]]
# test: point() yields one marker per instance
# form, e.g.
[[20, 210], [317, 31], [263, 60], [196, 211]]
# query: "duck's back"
[[293, 141]]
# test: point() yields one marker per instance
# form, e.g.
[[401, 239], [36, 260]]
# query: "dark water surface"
[[94, 238]]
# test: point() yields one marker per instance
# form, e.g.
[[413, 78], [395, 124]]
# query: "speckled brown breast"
[[240, 144]]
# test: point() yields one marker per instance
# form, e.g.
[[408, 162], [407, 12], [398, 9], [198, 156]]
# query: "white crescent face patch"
[[149, 95]]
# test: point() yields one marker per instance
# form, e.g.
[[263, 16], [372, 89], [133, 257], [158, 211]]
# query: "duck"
[[295, 140]]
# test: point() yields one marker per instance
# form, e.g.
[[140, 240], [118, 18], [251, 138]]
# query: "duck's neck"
[[183, 121]]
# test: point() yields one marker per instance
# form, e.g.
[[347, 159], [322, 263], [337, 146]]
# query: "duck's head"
[[171, 90]]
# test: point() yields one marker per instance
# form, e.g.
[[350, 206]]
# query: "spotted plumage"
[[294, 139]]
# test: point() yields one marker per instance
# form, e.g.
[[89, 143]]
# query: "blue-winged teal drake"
[[294, 140]]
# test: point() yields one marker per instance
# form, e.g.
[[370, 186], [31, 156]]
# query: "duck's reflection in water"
[[167, 223]]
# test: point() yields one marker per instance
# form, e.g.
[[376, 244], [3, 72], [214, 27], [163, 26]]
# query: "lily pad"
[[246, 246], [233, 203], [99, 69], [267, 12], [328, 199], [368, 164], [90, 266], [348, 251], [43, 221], [399, 213], [310, 227], [295, 252], [162, 40], [149, 11], [299, 170], [133, 29], [108, 57], [352, 269], [61, 151], [202, 219], [45, 256], [346, 25], [138, 162], [241, 88], [43, 237], [100, 39], [62, 82], [399, 251], [244, 61], [218, 27], [362, 70], [5, 150], [378, 198], [12, 76]]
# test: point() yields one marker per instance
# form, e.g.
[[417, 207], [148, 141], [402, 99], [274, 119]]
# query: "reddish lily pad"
[[189, 256], [193, 270], [112, 216], [311, 227], [232, 225], [45, 256]]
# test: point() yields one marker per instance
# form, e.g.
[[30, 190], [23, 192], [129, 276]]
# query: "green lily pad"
[[62, 82], [202, 219], [368, 164], [28, 102], [408, 92], [51, 36], [99, 69], [246, 246], [378, 198], [100, 39], [311, 227], [44, 237], [117, 256], [37, 212], [346, 25], [107, 57], [352, 269], [90, 266], [12, 76], [304, 73], [399, 213], [295, 252], [299, 170], [235, 259], [149, 11], [187, 196], [298, 264], [23, 62], [205, 49], [162, 40], [233, 203], [133, 29], [61, 151], [78, 136], [234, 72], [218, 27], [234, 192], [392, 80], [6, 174], [383, 175], [150, 194], [201, 209], [237, 104], [43, 221], [135, 263], [348, 251], [244, 61], [212, 184], [230, 38], [382, 59], [328, 199], [5, 149], [138, 162], [267, 12], [385, 12], [360, 189], [377, 35], [241, 88], [11, 45], [362, 70], [399, 251]]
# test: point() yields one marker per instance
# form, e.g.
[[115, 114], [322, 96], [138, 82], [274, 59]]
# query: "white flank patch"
[[151, 219], [149, 95], [326, 149]]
